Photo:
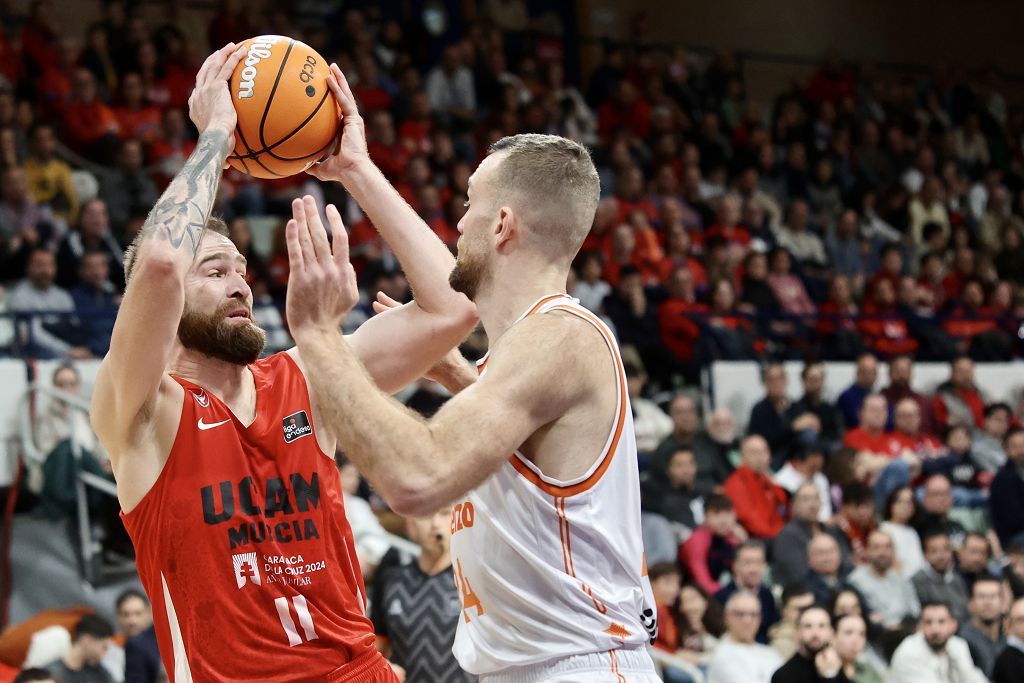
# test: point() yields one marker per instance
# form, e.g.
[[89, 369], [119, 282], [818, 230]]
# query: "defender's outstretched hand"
[[322, 283], [351, 148]]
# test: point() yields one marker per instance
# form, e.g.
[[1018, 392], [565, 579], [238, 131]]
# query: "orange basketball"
[[287, 117]]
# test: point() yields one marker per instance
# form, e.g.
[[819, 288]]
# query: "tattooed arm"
[[131, 376]]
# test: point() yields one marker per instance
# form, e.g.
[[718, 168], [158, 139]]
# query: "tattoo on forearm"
[[181, 213]]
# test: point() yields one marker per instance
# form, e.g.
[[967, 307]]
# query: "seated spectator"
[[936, 504], [679, 319], [729, 329], [887, 593], [49, 178], [430, 209], [701, 624], [797, 237], [874, 447], [738, 658], [973, 328], [91, 639], [987, 448], [169, 153], [849, 402], [788, 288], [127, 189], [666, 582], [53, 335], [934, 654], [813, 401], [815, 658], [636, 320], [710, 550], [805, 467], [670, 492], [984, 631], [772, 417], [92, 234], [900, 508], [96, 301], [825, 573], [885, 331], [956, 464], [761, 505], [836, 328], [939, 581], [650, 422], [856, 519], [901, 372], [1006, 497], [958, 399], [685, 425], [727, 227], [796, 597], [678, 254], [136, 118], [450, 90], [928, 207], [748, 575], [716, 448], [89, 127], [590, 289], [789, 549], [632, 249], [845, 248], [850, 643], [24, 225], [907, 430], [1009, 665]]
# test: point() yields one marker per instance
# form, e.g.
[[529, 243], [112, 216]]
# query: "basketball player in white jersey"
[[538, 454]]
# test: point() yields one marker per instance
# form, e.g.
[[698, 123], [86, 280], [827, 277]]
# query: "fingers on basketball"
[[232, 61]]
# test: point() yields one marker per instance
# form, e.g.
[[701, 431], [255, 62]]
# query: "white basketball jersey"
[[549, 568]]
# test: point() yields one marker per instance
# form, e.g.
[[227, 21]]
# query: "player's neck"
[[509, 294], [228, 381]]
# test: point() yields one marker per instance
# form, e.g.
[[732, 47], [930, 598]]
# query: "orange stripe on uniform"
[[606, 457], [615, 667]]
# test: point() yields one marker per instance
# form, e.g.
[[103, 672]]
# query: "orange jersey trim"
[[606, 457]]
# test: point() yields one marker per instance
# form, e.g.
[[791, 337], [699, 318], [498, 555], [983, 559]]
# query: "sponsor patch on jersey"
[[246, 569], [296, 426]]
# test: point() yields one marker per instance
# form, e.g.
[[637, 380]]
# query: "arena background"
[[935, 74]]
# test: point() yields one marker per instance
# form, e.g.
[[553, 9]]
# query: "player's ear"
[[506, 227]]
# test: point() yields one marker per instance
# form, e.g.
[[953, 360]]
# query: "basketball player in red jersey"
[[224, 471]]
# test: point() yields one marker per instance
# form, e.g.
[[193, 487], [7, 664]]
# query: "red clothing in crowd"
[[736, 234], [668, 630], [879, 444], [680, 331], [627, 206], [886, 333], [970, 396], [613, 117], [920, 443], [84, 124], [670, 263], [693, 556], [139, 124], [762, 507], [391, 160], [962, 325], [856, 535]]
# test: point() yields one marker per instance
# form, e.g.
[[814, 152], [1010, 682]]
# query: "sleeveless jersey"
[[547, 568], [243, 546]]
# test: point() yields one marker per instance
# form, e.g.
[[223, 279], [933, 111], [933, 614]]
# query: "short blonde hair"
[[553, 184]]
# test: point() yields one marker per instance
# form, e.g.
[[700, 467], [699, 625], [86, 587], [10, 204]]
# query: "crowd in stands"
[[858, 217]]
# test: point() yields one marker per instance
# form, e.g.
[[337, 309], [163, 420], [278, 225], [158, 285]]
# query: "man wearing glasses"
[[739, 658]]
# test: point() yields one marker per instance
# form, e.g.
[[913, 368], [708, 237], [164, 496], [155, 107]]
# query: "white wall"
[[736, 385]]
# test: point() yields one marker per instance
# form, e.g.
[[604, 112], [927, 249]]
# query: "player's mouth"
[[238, 314]]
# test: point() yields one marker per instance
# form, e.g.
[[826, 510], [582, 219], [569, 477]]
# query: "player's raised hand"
[[351, 147], [210, 105], [322, 283]]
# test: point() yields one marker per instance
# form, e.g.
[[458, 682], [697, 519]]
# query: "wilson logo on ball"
[[257, 52]]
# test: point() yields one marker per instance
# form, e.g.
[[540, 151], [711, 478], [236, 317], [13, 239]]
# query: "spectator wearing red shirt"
[[390, 156], [957, 400], [370, 89], [727, 226], [430, 209], [970, 318], [40, 43], [415, 129], [632, 248], [89, 126], [629, 192], [136, 118], [762, 507], [907, 430], [963, 271], [932, 275], [901, 371], [709, 551], [665, 586], [678, 255], [891, 269], [856, 519], [625, 110], [884, 330], [870, 436], [679, 317], [169, 153]]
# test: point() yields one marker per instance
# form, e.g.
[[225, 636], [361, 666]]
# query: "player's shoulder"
[[558, 332]]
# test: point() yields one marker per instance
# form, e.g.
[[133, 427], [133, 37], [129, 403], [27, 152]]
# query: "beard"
[[937, 644], [813, 648], [467, 275], [212, 335]]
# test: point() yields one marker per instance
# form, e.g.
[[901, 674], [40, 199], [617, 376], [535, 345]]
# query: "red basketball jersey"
[[243, 546]]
